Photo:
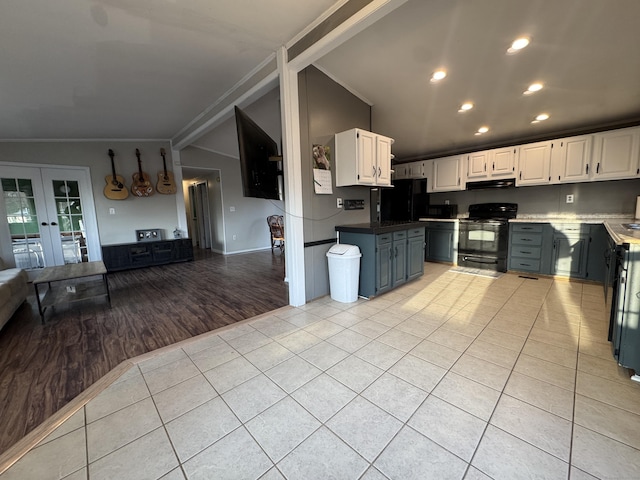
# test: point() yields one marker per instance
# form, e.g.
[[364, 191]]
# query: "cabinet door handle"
[[44, 224], [53, 224], [485, 167], [374, 171], [520, 174], [587, 172], [396, 255], [380, 171], [598, 168]]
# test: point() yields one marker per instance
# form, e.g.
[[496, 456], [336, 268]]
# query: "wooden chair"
[[276, 229]]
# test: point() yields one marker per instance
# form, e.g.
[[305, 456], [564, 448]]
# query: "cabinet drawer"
[[399, 235], [383, 238], [523, 238], [528, 265], [526, 227], [416, 232], [524, 251]]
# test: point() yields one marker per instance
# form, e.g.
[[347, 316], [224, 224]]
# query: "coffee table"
[[71, 291]]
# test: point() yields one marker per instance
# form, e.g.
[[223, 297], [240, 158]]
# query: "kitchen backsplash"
[[611, 197]]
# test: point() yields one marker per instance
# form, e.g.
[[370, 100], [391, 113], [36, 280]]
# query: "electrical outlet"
[[569, 198], [235, 237], [112, 211], [338, 202]]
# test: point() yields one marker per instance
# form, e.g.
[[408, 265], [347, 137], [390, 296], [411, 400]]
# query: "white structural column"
[[294, 232], [180, 203]]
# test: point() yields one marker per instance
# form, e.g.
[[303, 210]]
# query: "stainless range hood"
[[503, 183]]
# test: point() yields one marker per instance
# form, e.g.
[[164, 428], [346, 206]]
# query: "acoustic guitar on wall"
[[141, 186], [115, 188], [166, 184]]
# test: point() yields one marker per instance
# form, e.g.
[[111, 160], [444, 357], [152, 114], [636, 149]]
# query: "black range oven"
[[484, 236]]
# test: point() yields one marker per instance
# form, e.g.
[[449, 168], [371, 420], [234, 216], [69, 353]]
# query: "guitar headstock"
[[111, 154], [138, 153], [162, 152]]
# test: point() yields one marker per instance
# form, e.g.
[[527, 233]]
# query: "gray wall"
[[610, 197], [248, 220], [326, 108], [133, 213]]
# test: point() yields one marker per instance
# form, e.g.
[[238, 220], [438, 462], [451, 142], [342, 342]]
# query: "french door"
[[51, 216]]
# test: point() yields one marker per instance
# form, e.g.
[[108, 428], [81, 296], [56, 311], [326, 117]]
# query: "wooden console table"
[[72, 291]]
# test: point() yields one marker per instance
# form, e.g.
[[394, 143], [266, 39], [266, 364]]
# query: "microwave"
[[442, 211]]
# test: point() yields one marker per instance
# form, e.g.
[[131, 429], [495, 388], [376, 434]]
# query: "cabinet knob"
[[44, 224]]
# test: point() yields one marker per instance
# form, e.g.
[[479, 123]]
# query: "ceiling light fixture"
[[482, 130], [533, 88], [541, 118], [438, 75], [465, 107], [518, 44]]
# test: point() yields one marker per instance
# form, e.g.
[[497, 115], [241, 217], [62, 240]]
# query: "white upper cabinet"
[[448, 174], [400, 171], [416, 170], [503, 162], [615, 154], [534, 162], [570, 159], [362, 158], [477, 165], [490, 164]]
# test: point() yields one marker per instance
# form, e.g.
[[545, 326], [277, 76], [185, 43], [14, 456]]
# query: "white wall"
[[157, 211]]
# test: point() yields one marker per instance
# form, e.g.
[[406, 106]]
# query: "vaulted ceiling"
[[73, 69]]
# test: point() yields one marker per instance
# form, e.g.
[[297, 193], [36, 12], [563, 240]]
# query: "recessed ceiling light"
[[482, 130], [465, 107], [540, 118], [518, 44], [534, 87], [438, 75]]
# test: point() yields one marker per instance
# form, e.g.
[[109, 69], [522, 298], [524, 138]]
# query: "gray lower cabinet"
[[440, 238], [572, 250], [388, 259], [415, 253]]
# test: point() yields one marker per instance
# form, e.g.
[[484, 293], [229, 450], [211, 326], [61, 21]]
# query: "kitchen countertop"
[[613, 223], [376, 228]]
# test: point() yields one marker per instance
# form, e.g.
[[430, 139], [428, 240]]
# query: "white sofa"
[[13, 291]]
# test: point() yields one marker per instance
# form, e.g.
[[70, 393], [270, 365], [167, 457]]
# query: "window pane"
[[24, 185]]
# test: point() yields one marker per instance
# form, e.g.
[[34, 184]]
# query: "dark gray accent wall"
[[326, 108], [610, 197]]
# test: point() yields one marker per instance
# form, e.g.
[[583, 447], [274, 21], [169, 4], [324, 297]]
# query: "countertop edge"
[[368, 228]]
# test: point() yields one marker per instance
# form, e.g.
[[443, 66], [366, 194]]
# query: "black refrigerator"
[[407, 200]]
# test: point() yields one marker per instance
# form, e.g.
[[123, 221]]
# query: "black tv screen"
[[261, 177]]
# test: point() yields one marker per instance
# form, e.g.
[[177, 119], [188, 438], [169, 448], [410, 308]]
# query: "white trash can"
[[344, 272]]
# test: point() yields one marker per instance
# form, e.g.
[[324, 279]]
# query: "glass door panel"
[[51, 216], [68, 193], [22, 192]]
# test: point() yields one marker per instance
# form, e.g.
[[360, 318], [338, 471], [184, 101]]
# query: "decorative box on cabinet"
[[125, 256], [362, 158]]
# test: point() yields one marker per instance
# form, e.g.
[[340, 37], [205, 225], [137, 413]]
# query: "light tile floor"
[[451, 376]]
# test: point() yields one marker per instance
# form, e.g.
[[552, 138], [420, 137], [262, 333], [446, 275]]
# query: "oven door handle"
[[480, 260]]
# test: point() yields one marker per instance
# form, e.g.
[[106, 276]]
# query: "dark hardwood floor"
[[43, 367]]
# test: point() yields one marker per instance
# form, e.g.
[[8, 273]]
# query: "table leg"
[[39, 304]]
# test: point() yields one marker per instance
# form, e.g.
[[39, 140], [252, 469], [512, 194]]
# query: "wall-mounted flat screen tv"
[[259, 162]]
